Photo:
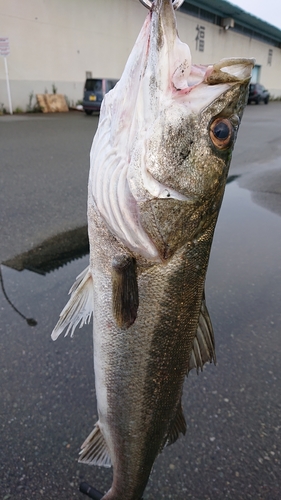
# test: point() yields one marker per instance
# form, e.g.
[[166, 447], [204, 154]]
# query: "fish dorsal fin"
[[204, 341], [125, 295], [178, 427], [94, 450], [79, 308]]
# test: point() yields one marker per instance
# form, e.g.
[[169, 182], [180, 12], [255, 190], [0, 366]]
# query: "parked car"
[[258, 93], [94, 92]]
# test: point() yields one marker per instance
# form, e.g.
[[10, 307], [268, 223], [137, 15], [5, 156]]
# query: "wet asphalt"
[[232, 449]]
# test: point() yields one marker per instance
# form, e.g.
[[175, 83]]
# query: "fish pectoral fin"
[[204, 342], [94, 450], [79, 308], [125, 294], [178, 427]]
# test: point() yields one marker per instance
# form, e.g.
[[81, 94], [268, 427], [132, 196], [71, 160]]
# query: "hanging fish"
[[159, 164]]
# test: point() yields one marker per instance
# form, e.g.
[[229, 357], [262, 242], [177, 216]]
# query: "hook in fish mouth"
[[148, 3]]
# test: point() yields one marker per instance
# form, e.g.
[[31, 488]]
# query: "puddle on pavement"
[[48, 397], [53, 253], [265, 187]]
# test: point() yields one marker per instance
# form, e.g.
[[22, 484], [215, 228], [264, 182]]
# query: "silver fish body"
[[159, 164]]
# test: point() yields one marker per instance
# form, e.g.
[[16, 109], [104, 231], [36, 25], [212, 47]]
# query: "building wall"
[[56, 42]]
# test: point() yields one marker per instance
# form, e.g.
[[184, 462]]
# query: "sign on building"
[[200, 38], [269, 57]]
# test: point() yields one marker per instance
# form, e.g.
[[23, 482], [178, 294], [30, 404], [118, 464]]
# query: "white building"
[[60, 42]]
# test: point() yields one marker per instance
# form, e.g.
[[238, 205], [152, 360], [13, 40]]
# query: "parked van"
[[94, 92]]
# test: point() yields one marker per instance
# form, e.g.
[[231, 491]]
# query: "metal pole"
[[8, 86]]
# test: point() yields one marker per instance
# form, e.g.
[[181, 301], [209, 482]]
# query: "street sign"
[[4, 46], [5, 51]]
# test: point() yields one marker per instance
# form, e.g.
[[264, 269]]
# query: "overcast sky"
[[267, 10]]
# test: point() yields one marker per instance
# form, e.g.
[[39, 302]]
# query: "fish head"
[[175, 125]]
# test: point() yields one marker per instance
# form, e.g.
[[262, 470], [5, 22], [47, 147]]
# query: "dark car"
[[258, 93], [94, 92]]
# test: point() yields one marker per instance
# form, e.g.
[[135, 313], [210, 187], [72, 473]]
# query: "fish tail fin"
[[94, 450], [79, 308]]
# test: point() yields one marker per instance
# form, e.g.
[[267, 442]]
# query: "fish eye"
[[221, 133]]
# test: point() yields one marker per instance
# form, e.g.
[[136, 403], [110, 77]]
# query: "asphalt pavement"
[[44, 175], [232, 449]]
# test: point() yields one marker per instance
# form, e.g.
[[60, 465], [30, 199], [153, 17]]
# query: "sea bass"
[[159, 164]]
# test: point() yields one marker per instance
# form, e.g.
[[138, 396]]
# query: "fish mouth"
[[170, 72]]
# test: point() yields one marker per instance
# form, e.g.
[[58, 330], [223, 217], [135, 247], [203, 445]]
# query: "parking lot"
[[232, 449]]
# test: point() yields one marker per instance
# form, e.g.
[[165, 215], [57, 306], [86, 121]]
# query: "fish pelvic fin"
[[94, 450], [204, 342], [79, 308], [125, 295], [178, 427]]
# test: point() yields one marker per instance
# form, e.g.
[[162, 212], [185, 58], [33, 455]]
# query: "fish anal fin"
[[125, 295], [178, 427], [79, 308], [94, 450], [204, 342]]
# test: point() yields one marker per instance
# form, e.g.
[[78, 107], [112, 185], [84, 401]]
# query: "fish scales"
[[159, 164], [146, 365]]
